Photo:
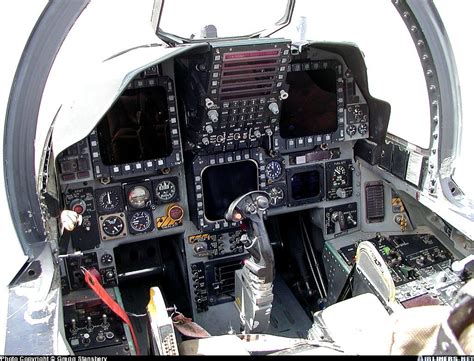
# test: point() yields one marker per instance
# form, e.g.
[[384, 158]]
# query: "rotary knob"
[[199, 248], [209, 129], [273, 107], [213, 115]]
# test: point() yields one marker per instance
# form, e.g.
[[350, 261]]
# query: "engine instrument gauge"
[[273, 170], [140, 222], [339, 179], [339, 176], [363, 128], [109, 200], [138, 197], [112, 226], [165, 191]]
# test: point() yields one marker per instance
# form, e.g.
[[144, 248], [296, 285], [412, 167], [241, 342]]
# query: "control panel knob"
[[89, 324], [199, 248], [209, 103], [86, 339], [283, 94], [257, 134], [205, 140], [100, 337], [209, 129], [78, 206], [87, 225], [339, 218], [109, 275], [105, 324], [213, 115], [341, 193], [351, 220], [269, 132], [273, 107], [73, 326]]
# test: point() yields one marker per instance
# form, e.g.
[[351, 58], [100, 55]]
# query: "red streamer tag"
[[95, 286]]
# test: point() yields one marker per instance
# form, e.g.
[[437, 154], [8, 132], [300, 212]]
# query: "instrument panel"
[[188, 136]]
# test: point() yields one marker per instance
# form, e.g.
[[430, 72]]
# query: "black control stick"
[[251, 206], [254, 282]]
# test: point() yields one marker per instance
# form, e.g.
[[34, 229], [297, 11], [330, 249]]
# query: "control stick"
[[254, 282]]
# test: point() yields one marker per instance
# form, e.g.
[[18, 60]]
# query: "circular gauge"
[[351, 130], [339, 176], [112, 226], [138, 196], [273, 169], [165, 191], [106, 259], [363, 128], [108, 200], [140, 221], [277, 195]]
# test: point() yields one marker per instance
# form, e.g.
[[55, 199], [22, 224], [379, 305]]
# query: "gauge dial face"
[[138, 196], [112, 226], [165, 191], [277, 195], [106, 259], [339, 177], [273, 170], [363, 128], [109, 200], [140, 221]]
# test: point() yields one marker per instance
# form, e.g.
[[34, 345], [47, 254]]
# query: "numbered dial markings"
[[108, 200], [140, 222], [113, 226], [165, 191], [339, 176], [273, 170], [138, 197]]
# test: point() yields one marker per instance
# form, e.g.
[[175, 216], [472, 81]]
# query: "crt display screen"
[[305, 185], [135, 128], [223, 183], [311, 107]]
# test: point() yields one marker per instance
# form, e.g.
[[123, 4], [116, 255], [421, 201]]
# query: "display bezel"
[[223, 164], [195, 186], [287, 145], [143, 167], [292, 171]]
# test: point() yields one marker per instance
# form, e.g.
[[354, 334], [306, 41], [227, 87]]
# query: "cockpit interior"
[[244, 188]]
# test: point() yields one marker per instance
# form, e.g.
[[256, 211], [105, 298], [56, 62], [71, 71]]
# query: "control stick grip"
[[251, 206]]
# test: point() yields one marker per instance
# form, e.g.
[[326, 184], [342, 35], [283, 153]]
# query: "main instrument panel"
[[188, 136]]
